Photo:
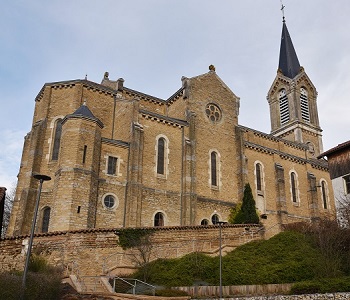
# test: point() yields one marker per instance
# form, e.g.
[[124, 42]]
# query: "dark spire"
[[289, 63]]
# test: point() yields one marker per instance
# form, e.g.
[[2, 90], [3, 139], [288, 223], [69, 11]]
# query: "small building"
[[339, 169]]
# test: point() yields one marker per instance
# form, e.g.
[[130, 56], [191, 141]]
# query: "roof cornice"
[[164, 119]]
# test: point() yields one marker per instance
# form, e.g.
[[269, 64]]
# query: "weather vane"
[[282, 9]]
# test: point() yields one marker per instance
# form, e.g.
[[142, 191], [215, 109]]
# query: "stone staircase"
[[100, 286]]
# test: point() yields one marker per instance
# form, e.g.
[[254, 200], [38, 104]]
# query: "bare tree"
[[343, 209], [140, 247], [10, 195]]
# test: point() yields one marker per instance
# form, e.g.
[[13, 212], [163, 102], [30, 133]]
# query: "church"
[[118, 157]]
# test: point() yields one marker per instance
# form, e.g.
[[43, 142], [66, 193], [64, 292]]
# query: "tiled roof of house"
[[339, 147]]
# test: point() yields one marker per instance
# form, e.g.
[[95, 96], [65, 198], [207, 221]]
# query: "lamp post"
[[41, 178], [220, 256]]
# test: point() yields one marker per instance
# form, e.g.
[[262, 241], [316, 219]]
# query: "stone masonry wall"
[[96, 251]]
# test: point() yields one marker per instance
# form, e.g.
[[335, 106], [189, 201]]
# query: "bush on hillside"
[[322, 286], [333, 242], [43, 281], [179, 271], [280, 259]]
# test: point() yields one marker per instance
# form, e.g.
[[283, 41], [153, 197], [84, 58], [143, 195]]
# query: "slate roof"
[[288, 63], [85, 113]]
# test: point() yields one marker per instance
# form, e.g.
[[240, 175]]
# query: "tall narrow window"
[[84, 154], [159, 219], [214, 168], [284, 107], [161, 156], [324, 194], [260, 201], [304, 105], [294, 187], [258, 177], [57, 140], [46, 219], [112, 165]]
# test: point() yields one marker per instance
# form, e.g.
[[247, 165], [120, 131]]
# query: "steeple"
[[289, 63], [292, 100]]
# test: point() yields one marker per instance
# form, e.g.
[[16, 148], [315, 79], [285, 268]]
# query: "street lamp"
[[220, 255], [42, 178]]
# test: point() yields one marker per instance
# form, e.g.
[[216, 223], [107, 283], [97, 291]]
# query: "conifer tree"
[[247, 214]]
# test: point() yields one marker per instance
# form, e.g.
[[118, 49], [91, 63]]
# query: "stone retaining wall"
[[96, 251]]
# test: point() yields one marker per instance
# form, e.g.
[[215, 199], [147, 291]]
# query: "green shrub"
[[247, 213], [133, 237], [37, 264], [321, 286], [306, 287], [280, 259]]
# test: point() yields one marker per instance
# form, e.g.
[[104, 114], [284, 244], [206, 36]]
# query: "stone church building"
[[120, 158]]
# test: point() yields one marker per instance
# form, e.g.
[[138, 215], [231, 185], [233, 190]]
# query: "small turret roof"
[[84, 111], [289, 63]]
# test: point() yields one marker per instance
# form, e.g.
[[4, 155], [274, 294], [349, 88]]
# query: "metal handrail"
[[153, 288], [75, 271]]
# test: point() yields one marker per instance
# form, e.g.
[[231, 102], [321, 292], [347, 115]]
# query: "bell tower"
[[292, 100]]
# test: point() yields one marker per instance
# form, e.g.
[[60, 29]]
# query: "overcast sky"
[[152, 43]]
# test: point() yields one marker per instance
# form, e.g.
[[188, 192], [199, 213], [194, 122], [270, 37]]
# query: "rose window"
[[213, 112]]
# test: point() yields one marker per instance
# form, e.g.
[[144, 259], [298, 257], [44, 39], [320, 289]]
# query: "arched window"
[[159, 219], [215, 219], [293, 183], [161, 156], [57, 139], [284, 107], [46, 219], [204, 222], [260, 188], [324, 194], [258, 174], [214, 168], [304, 105]]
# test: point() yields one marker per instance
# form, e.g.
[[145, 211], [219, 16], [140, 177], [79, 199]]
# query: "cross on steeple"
[[282, 9]]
